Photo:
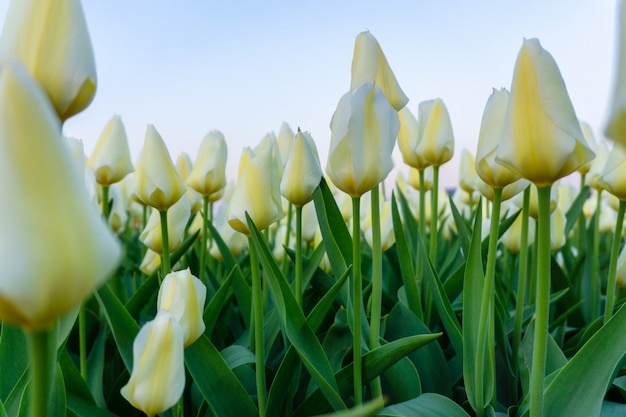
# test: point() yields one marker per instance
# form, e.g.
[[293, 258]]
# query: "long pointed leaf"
[[426, 405]]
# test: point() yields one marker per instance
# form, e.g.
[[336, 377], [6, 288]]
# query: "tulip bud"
[[592, 179], [50, 38], [512, 238], [414, 179], [363, 134], [177, 217], [110, 159], [309, 222], [157, 183], [270, 141], [408, 138], [387, 236], [284, 140], [158, 377], [435, 138], [303, 172], [257, 193], [533, 206], [235, 241], [616, 125], [150, 263], [118, 215], [55, 247], [209, 172], [369, 65], [591, 142], [491, 134], [467, 179], [184, 166], [557, 230], [542, 141], [183, 295], [620, 275], [613, 177], [508, 192]]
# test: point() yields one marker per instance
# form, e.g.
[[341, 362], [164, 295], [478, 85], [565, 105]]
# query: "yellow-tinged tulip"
[[235, 241], [257, 193], [157, 184], [621, 269], [309, 222], [491, 133], [508, 192], [110, 159], [50, 38], [557, 229], [150, 263], [177, 217], [597, 165], [590, 138], [512, 238], [270, 141], [408, 137], [55, 248], [363, 134], [183, 295], [209, 172], [158, 377], [613, 177], [467, 179], [387, 236], [542, 141], [184, 166], [616, 125], [435, 138], [370, 65], [284, 140], [118, 215], [414, 179], [303, 172], [533, 207]]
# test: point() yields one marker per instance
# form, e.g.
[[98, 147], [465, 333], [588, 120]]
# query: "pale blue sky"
[[244, 67]]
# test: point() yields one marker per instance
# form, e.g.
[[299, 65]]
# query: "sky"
[[245, 67]]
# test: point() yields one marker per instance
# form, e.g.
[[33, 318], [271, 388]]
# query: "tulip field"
[[160, 287]]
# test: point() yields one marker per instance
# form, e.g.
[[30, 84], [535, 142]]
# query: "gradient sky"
[[244, 67]]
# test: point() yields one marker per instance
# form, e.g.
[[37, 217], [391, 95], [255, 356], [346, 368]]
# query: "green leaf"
[[576, 209], [426, 405], [405, 258], [595, 364], [73, 380], [83, 408], [217, 303], [462, 228], [216, 381], [401, 382], [237, 355], [375, 362], [364, 410], [297, 328], [13, 358], [408, 219], [3, 412]]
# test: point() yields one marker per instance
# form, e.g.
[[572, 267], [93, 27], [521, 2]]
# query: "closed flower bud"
[[55, 248], [150, 263], [435, 138], [591, 142], [370, 65], [118, 215], [309, 222], [616, 125], [209, 171], [363, 134], [284, 140], [50, 38], [158, 377], [183, 295], [467, 180], [270, 141], [235, 241], [508, 191], [557, 230], [533, 206], [408, 138], [110, 159], [542, 140], [184, 167], [157, 184], [177, 217], [596, 167], [613, 177], [257, 193], [621, 269], [387, 236], [414, 179], [303, 172], [512, 238]]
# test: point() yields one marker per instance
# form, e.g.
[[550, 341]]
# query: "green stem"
[[581, 221], [105, 203], [298, 255], [610, 286], [486, 322], [522, 280], [594, 307], [285, 265], [542, 304], [205, 231], [377, 283], [434, 197], [165, 257], [356, 299], [257, 308], [421, 225], [82, 341], [42, 352]]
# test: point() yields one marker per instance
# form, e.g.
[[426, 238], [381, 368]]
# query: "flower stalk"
[[42, 352], [257, 311], [377, 283], [356, 299], [610, 289]]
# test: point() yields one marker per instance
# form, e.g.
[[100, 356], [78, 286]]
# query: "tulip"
[[388, 237], [303, 172], [435, 138], [557, 230], [491, 134], [512, 238], [177, 217], [591, 141], [158, 377], [184, 166], [621, 269], [183, 295], [414, 180], [55, 248], [50, 38], [110, 159], [467, 180], [270, 141], [592, 179], [284, 141], [235, 241], [533, 208], [118, 215], [257, 193], [209, 172], [157, 184], [369, 65], [408, 138], [363, 134], [508, 191], [309, 222], [616, 124], [613, 177], [151, 261], [542, 141]]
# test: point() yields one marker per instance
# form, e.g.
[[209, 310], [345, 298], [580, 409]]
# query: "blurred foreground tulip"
[[303, 172], [55, 247], [157, 184], [50, 38], [616, 125], [363, 134], [257, 193], [543, 141], [369, 64], [613, 177], [158, 377], [209, 171], [183, 295], [110, 159]]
